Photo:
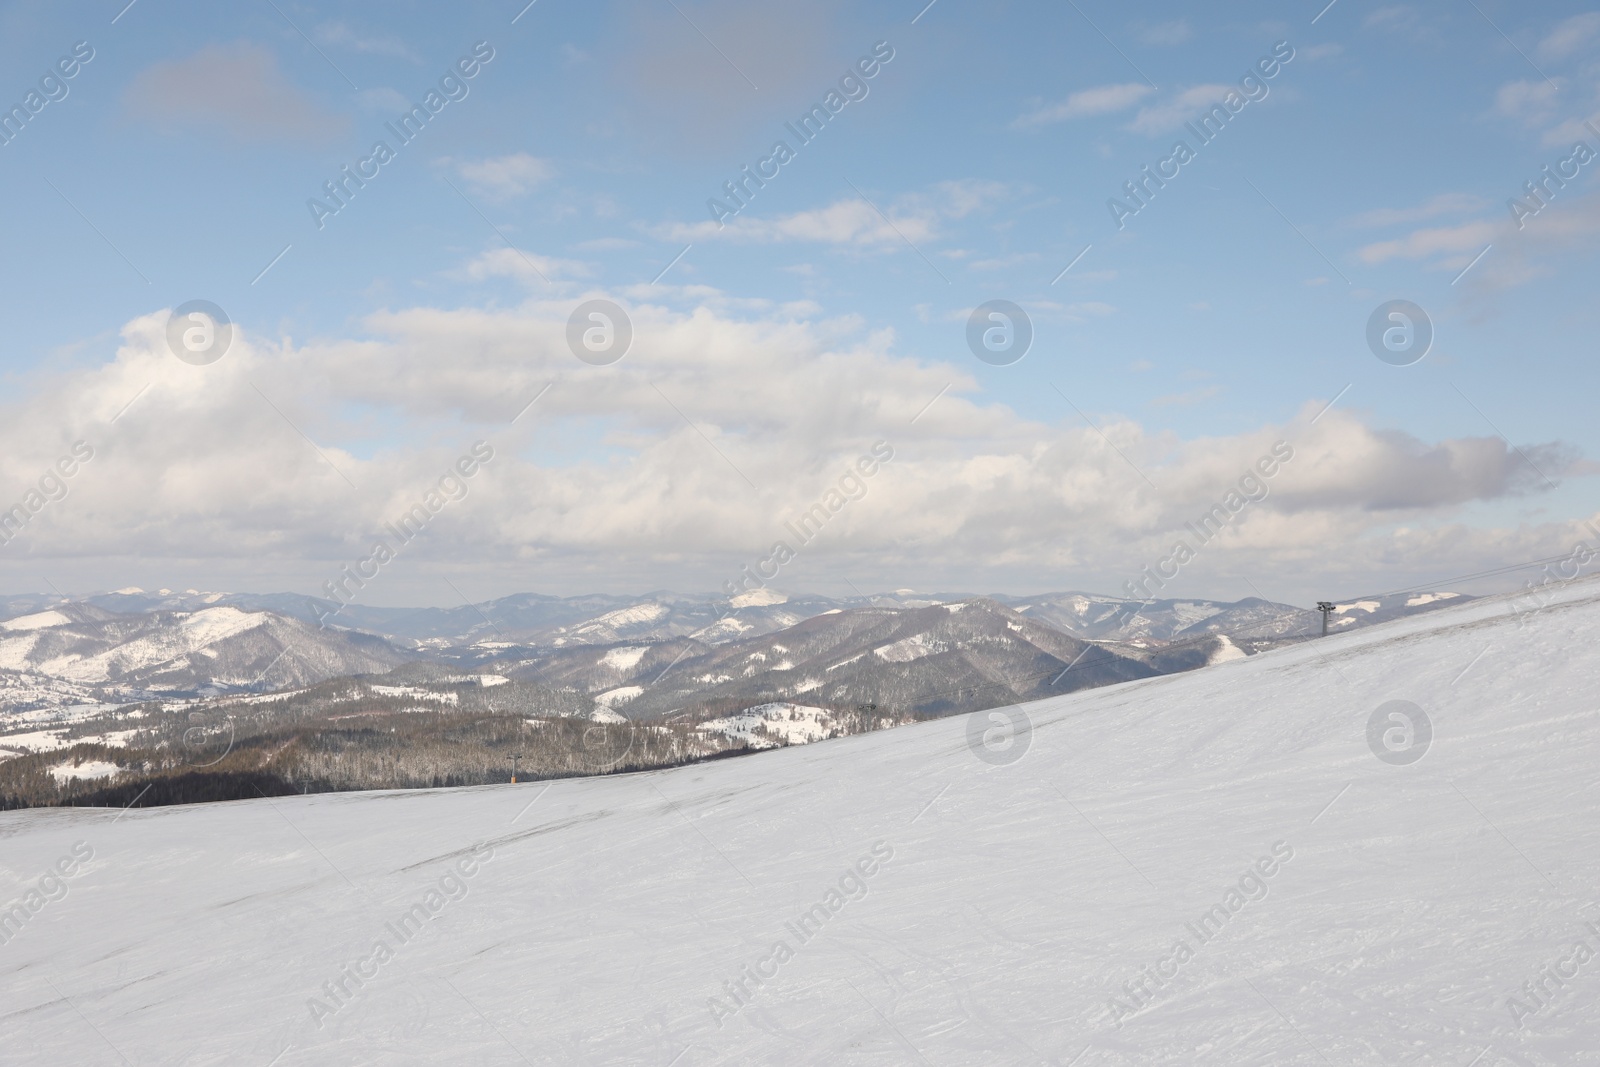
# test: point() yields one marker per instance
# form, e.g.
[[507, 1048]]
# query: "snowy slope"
[[1404, 905]]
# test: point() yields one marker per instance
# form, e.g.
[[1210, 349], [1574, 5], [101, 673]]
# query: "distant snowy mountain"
[[82, 650], [533, 620], [128, 644], [923, 661], [1104, 618]]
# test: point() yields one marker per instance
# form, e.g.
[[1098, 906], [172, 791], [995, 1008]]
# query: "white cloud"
[[1166, 33], [844, 222], [1570, 36], [614, 475], [1566, 134], [383, 99], [1433, 207], [1173, 112], [913, 217], [1396, 17], [525, 266], [238, 88], [997, 262], [1433, 241], [1100, 100], [1567, 225], [958, 199], [1528, 102], [504, 177]]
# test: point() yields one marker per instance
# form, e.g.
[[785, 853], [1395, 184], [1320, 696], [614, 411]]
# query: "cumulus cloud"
[[384, 100], [1166, 33], [504, 177], [1529, 102], [527, 267], [913, 217], [844, 222], [687, 454], [1432, 241], [1566, 226], [1571, 36], [1433, 207], [236, 88], [1100, 100], [1393, 18]]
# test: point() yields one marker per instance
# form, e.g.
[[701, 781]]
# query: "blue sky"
[[1222, 316]]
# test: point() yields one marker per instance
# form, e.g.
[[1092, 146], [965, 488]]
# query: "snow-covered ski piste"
[[1377, 848]]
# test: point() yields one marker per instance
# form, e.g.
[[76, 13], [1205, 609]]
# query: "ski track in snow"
[[1018, 901]]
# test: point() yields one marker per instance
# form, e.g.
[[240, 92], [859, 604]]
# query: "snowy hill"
[[73, 652], [1210, 867], [1105, 618], [934, 660]]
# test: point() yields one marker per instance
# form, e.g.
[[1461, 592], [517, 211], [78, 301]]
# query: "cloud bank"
[[684, 458]]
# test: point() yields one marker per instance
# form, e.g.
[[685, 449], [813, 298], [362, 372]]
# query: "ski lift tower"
[[513, 758], [1327, 609]]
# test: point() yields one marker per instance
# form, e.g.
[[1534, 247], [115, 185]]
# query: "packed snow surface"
[[1197, 869]]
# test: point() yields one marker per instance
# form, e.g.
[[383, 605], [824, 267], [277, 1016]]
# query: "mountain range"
[[648, 656]]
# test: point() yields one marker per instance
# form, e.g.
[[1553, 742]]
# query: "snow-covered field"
[[1203, 868]]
